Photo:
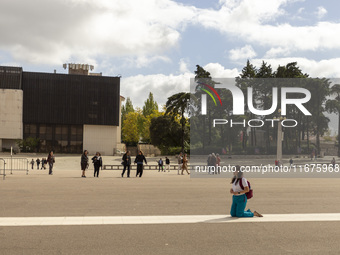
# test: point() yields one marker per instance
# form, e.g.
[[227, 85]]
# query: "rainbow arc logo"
[[209, 93]]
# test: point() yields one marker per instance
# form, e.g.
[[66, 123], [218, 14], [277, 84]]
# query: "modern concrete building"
[[66, 112]]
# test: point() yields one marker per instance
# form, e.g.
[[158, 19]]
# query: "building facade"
[[66, 112]]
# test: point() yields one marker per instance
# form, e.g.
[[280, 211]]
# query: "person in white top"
[[239, 196]]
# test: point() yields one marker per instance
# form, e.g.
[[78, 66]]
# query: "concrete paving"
[[66, 194]]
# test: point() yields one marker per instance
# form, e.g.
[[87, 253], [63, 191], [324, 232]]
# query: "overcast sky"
[[155, 44]]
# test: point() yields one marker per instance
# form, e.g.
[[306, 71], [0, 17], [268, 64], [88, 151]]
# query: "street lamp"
[[279, 137]]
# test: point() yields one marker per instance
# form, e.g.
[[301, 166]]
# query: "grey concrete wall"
[[149, 150], [11, 103]]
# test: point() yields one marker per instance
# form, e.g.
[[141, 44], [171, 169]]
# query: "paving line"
[[161, 219]]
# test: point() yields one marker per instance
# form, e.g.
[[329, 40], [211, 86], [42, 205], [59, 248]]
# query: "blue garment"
[[238, 206]]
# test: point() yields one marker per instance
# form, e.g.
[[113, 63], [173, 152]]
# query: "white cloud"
[[249, 20], [246, 52], [321, 12], [275, 52], [53, 32], [183, 66], [162, 86], [328, 68], [218, 71]]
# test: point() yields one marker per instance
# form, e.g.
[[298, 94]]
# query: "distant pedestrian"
[[212, 163], [333, 162], [126, 163], [84, 163], [209, 160], [239, 196], [291, 162], [50, 161], [167, 163], [97, 163], [38, 163], [185, 164], [32, 163], [43, 163], [160, 165], [139, 161], [180, 162], [218, 163]]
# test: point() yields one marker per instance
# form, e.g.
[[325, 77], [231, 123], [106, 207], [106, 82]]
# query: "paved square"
[[162, 213]]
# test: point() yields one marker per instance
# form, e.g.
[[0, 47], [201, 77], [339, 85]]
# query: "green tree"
[[249, 71], [130, 132], [333, 106], [150, 105], [177, 105], [127, 108], [320, 89], [165, 132], [146, 122]]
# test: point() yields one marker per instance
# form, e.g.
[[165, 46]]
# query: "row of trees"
[[169, 128], [262, 80]]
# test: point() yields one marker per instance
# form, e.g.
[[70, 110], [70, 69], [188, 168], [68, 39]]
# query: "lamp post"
[[279, 137]]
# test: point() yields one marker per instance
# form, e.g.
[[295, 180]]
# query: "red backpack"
[[249, 194]]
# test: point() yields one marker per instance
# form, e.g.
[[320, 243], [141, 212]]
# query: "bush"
[[29, 144]]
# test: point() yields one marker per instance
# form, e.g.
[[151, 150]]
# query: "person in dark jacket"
[[38, 163], [160, 165], [139, 160], [167, 163], [32, 163], [84, 163], [126, 163], [97, 163], [50, 161]]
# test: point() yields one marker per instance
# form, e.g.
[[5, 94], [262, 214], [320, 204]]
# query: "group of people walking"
[[43, 162], [161, 167], [139, 160], [182, 163], [214, 161], [50, 161]]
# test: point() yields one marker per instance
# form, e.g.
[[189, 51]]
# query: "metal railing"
[[3, 163], [15, 164], [146, 167]]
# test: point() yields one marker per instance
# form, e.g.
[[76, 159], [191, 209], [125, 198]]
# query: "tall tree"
[[127, 108], [130, 132], [178, 104], [249, 71], [150, 105], [333, 106], [201, 75], [319, 89]]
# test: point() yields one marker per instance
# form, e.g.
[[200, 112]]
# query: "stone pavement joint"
[[167, 219]]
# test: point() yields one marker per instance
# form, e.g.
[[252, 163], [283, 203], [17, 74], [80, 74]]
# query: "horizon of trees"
[[170, 126]]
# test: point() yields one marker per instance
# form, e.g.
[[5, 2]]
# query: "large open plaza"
[[182, 127], [162, 213]]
